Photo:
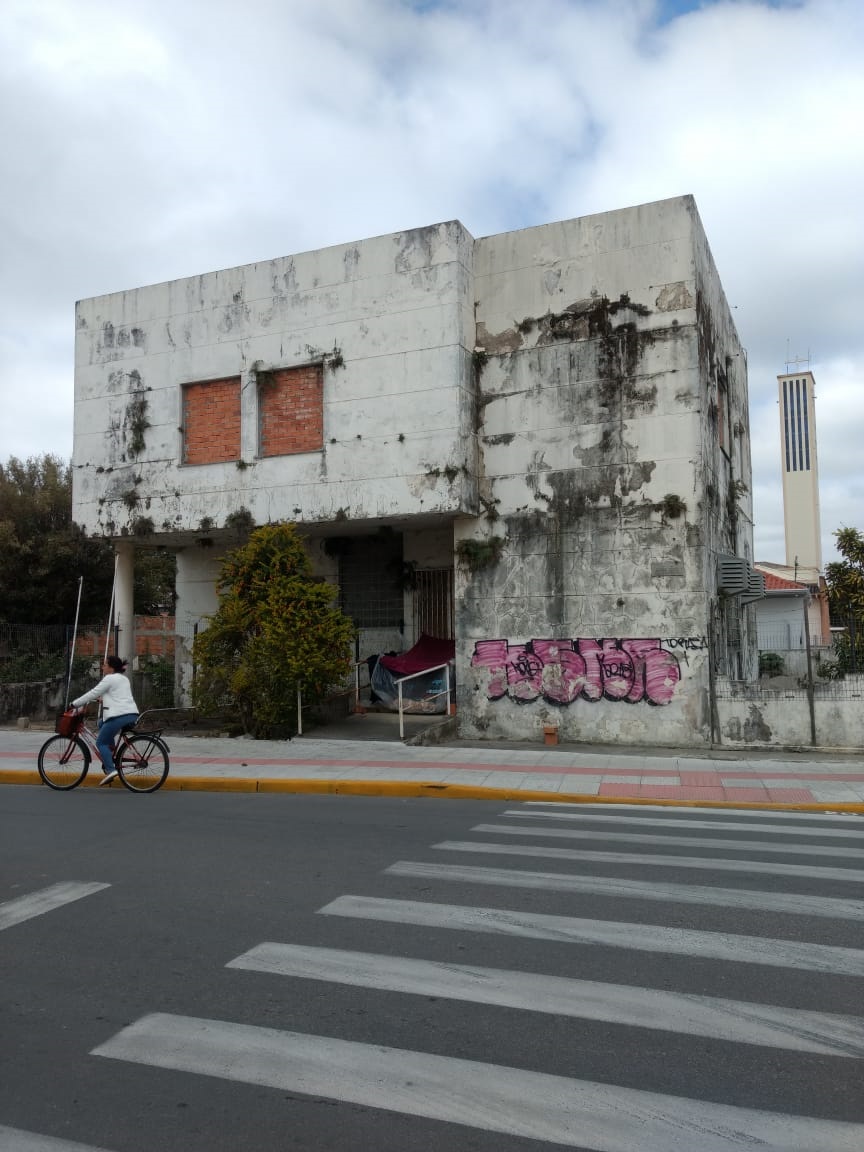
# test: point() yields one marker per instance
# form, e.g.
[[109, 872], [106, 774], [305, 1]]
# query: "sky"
[[146, 140]]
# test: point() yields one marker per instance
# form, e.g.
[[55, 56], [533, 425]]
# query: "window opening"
[[370, 580]]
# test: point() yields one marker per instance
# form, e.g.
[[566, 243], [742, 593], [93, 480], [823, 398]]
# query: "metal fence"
[[40, 653], [784, 650], [794, 665], [767, 690], [32, 652]]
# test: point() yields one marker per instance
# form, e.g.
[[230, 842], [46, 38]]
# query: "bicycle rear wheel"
[[142, 763], [63, 762]]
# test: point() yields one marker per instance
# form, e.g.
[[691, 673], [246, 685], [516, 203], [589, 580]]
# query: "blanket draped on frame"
[[424, 693]]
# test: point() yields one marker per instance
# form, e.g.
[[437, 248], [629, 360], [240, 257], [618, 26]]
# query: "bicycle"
[[141, 758]]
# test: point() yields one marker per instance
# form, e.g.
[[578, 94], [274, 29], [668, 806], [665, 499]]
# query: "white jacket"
[[115, 692]]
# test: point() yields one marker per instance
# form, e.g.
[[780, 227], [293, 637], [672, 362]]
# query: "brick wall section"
[[154, 636], [291, 410], [211, 421]]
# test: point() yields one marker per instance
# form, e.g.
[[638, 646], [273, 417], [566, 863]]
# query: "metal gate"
[[433, 603]]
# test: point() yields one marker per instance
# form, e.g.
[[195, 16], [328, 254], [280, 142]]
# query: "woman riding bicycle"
[[118, 711]]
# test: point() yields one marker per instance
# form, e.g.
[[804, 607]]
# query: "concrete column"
[[124, 611], [248, 416]]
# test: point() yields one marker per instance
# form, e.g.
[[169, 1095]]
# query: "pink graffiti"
[[564, 670]]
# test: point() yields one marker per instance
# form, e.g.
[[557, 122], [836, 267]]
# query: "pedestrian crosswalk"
[[847, 875], [607, 933], [45, 900], [534, 1105], [718, 1018], [719, 941], [742, 899]]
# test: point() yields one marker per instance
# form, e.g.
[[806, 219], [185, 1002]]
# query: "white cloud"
[[146, 140]]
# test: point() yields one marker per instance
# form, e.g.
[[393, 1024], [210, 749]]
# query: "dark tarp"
[[423, 693]]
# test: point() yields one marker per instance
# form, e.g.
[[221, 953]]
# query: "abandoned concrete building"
[[535, 444]]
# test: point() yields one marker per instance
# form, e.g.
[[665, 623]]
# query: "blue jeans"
[[108, 733]]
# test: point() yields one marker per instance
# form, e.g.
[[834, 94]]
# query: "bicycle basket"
[[68, 723]]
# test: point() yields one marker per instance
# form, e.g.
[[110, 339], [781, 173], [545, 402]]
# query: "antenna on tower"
[[796, 361]]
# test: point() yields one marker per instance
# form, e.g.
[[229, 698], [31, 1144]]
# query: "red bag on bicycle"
[[69, 722]]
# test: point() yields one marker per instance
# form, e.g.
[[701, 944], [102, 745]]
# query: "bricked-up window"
[[211, 421], [291, 410]]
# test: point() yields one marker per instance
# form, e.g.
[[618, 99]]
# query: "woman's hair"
[[116, 663]]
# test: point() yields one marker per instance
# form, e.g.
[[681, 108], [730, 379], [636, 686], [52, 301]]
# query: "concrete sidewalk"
[[769, 779]]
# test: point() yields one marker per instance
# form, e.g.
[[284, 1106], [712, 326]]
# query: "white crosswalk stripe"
[[673, 841], [827, 820], [791, 904], [538, 1105], [533, 1105], [17, 1140], [611, 934], [45, 900], [532, 813], [717, 1018], [847, 875]]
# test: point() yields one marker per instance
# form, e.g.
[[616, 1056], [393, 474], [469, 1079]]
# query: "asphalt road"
[[311, 972]]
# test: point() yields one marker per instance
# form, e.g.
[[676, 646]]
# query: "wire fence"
[[795, 666], [43, 654], [773, 689]]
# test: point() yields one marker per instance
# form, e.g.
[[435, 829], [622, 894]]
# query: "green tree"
[[155, 579], [42, 552], [845, 578], [276, 626]]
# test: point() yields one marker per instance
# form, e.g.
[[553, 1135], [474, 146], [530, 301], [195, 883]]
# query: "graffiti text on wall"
[[566, 670]]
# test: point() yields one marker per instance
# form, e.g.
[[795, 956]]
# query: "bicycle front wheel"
[[142, 763], [63, 762]]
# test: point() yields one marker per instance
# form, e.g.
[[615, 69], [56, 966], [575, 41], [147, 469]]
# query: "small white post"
[[447, 685], [299, 711], [401, 718]]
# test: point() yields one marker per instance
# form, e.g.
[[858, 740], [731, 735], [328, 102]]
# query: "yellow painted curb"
[[407, 789]]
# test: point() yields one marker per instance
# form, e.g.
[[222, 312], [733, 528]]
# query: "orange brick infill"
[[291, 410], [211, 421]]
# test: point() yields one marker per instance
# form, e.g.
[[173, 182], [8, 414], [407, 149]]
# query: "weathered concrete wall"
[[391, 321], [563, 407], [722, 464], [39, 701], [784, 721], [592, 400]]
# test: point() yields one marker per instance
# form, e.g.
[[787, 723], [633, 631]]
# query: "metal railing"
[[360, 664], [432, 696]]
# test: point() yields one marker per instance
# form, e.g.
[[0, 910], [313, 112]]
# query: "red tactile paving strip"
[[791, 795], [618, 790], [678, 792], [695, 792], [743, 795], [701, 779]]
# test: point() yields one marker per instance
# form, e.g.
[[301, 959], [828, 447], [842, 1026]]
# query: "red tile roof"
[[775, 583]]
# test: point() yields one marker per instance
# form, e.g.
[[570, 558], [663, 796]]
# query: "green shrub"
[[157, 689], [770, 664], [276, 627]]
